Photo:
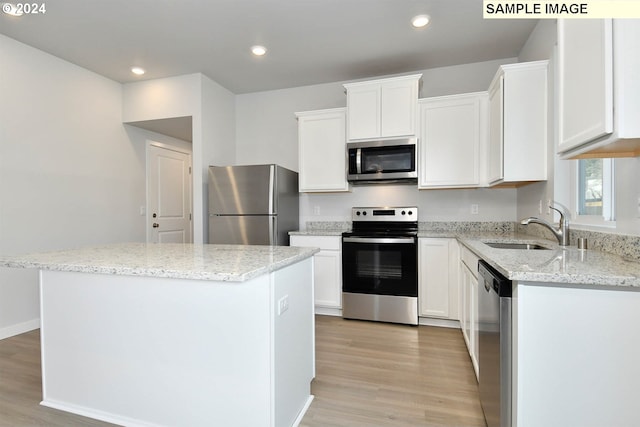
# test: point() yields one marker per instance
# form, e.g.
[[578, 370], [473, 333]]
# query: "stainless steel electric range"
[[380, 265]]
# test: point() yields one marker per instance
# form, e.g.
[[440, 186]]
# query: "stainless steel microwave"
[[391, 160]]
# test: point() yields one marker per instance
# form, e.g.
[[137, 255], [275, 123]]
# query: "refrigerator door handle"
[[271, 188]]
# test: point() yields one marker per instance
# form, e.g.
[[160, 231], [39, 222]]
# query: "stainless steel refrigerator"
[[252, 205]]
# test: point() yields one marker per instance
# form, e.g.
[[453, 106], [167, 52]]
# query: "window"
[[594, 198]]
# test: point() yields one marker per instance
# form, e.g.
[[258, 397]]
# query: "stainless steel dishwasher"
[[494, 344]]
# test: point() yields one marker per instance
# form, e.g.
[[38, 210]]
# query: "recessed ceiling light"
[[11, 9], [420, 21], [137, 71], [258, 50]]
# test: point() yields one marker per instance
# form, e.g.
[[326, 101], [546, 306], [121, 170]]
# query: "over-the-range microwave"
[[391, 160]]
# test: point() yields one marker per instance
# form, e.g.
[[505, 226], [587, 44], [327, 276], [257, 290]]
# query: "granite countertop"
[[319, 232], [557, 264], [235, 263], [568, 265]]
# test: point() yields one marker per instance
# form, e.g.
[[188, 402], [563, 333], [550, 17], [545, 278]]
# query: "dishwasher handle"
[[494, 279]]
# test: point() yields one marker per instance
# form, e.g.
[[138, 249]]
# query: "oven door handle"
[[378, 240]]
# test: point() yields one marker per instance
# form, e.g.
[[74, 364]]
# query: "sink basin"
[[514, 245]]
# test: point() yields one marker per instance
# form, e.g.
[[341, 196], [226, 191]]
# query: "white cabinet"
[[322, 150], [383, 108], [599, 89], [327, 271], [438, 278], [452, 138], [469, 303], [518, 124]]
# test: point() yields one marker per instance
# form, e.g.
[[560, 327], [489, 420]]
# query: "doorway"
[[169, 198]]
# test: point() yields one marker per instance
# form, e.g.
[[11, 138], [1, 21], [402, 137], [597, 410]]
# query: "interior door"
[[169, 195]]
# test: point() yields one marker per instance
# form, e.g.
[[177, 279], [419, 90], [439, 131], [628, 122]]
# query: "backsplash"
[[501, 227], [328, 225], [626, 246]]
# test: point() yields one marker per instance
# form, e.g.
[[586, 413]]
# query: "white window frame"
[[608, 197]]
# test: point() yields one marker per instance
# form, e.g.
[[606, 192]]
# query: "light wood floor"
[[367, 374], [378, 374]]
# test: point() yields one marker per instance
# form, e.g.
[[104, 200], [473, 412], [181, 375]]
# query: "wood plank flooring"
[[367, 374], [379, 374]]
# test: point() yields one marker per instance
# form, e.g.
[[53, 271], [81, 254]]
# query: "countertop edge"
[[156, 272]]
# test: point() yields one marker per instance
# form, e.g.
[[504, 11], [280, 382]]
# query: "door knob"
[[156, 225]]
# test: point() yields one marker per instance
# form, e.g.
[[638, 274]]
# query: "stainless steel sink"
[[514, 245]]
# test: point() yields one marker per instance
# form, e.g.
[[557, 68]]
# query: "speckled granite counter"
[[555, 265], [169, 260], [323, 228]]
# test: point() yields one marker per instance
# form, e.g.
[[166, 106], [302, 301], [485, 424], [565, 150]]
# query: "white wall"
[[266, 132], [218, 137], [212, 110], [69, 174]]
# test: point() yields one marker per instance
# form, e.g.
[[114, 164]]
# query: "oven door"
[[380, 265]]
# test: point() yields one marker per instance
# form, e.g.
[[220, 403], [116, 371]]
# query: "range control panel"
[[381, 214]]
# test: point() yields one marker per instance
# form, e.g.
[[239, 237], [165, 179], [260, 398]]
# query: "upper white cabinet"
[[452, 138], [322, 150], [599, 89], [383, 108], [518, 124]]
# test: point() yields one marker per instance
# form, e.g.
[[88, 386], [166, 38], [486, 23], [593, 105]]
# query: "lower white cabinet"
[[437, 278], [469, 303], [327, 270]]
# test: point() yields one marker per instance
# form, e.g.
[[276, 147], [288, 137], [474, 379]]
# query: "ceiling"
[[308, 41]]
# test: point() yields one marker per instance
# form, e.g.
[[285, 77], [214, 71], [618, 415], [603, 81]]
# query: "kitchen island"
[[177, 334]]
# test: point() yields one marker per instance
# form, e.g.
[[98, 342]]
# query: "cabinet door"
[[450, 141], [399, 104], [473, 323], [585, 64], [433, 277], [465, 305], [364, 104], [327, 267], [322, 151], [495, 170]]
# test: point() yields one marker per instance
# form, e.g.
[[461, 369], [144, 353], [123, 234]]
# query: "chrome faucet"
[[561, 233]]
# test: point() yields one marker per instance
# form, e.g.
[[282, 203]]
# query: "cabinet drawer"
[[331, 243], [469, 259]]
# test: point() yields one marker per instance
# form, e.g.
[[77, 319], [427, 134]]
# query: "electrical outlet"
[[474, 209], [283, 304], [540, 207], [316, 210]]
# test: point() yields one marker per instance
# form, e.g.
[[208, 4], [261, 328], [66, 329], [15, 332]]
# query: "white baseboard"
[[96, 415], [443, 323], [300, 416], [19, 328], [326, 311]]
